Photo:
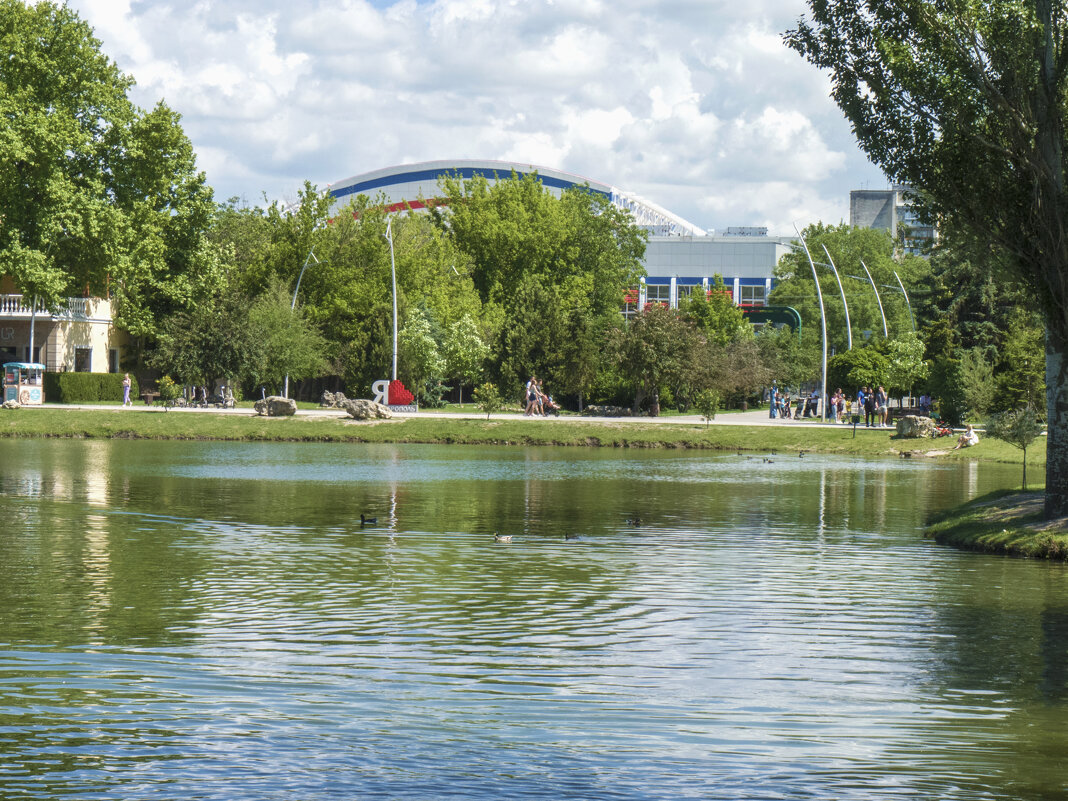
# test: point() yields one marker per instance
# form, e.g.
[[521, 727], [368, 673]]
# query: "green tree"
[[906, 367], [715, 314], [1020, 372], [656, 348], [966, 102], [210, 341], [977, 381], [488, 398], [284, 341], [860, 367], [789, 359], [465, 352], [420, 360], [550, 271], [707, 402], [95, 193], [1019, 428]]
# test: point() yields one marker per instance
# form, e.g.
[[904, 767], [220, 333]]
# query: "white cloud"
[[695, 104]]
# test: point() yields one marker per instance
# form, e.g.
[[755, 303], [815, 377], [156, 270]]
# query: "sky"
[[695, 105]]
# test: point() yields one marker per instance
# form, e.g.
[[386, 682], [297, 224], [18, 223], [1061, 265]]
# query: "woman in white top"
[[967, 439]]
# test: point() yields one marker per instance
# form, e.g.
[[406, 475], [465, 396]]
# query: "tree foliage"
[[553, 268], [657, 348], [96, 195]]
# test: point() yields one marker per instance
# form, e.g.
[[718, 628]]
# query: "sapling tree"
[[488, 398], [1019, 428], [707, 401]]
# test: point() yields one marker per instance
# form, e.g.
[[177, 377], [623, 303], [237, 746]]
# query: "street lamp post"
[[293, 305], [849, 328], [823, 324], [867, 272], [907, 303], [393, 272]]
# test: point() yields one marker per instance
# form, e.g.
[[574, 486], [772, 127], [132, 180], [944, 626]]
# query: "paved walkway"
[[757, 417]]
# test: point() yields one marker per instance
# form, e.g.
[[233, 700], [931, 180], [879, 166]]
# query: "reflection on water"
[[211, 621]]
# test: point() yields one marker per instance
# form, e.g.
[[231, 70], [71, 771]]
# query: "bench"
[[150, 397]]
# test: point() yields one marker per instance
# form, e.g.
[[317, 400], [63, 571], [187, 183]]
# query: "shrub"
[[86, 387], [169, 392]]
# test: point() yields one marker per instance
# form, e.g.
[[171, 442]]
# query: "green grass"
[[1004, 522], [435, 428]]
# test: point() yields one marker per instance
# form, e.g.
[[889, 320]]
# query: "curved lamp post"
[[823, 324], [849, 328], [867, 272], [907, 303]]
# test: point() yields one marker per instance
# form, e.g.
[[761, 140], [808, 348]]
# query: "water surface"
[[190, 620]]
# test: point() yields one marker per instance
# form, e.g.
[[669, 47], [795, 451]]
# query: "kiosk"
[[24, 382]]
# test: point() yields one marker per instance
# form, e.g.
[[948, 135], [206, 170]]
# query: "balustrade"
[[17, 306]]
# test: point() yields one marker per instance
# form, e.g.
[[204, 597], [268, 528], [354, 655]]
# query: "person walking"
[[127, 382], [532, 396]]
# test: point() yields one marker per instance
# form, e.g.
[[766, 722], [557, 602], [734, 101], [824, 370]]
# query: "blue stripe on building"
[[421, 176]]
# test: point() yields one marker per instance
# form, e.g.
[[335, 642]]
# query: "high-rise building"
[[892, 210]]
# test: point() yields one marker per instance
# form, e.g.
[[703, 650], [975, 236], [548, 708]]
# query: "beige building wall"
[[78, 337]]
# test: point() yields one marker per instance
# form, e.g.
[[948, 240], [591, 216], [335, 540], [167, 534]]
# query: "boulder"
[[608, 411], [912, 426], [366, 409], [276, 406], [332, 400]]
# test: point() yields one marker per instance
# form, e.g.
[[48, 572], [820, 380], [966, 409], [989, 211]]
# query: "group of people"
[[784, 407], [539, 403], [875, 406]]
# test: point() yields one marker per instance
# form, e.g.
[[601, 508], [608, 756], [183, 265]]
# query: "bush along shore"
[[504, 430], [1003, 522]]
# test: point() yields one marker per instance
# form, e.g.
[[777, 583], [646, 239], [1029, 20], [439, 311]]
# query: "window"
[[113, 360], [630, 302], [83, 360], [752, 296], [35, 358], [683, 291], [658, 293]]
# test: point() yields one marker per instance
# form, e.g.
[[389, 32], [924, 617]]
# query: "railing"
[[70, 308]]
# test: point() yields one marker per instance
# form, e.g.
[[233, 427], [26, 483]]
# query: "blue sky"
[[694, 104]]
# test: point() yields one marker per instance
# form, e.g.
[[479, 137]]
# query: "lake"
[[210, 621]]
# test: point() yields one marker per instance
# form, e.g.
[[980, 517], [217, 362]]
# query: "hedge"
[[86, 387]]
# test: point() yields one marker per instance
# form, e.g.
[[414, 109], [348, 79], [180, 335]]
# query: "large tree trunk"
[[1057, 418]]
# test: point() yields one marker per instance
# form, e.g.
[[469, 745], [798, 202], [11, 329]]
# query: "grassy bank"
[[112, 423], [1003, 522]]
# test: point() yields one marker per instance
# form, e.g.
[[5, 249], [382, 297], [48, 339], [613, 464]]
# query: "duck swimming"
[[499, 538], [368, 521]]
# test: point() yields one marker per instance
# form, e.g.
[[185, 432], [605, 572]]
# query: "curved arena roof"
[[408, 184]]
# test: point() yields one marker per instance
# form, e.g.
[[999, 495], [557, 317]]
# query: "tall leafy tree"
[[284, 342], [465, 352], [657, 348], [543, 267], [95, 193], [715, 314], [966, 102]]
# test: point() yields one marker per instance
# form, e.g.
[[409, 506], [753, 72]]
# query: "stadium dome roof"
[[409, 184]]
